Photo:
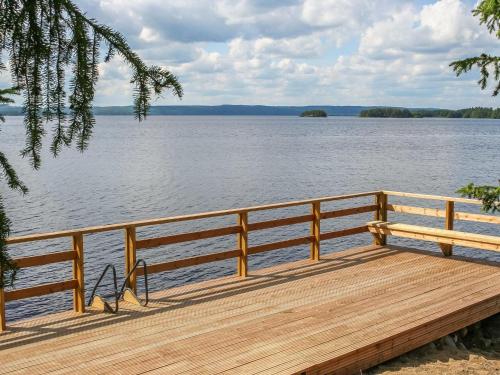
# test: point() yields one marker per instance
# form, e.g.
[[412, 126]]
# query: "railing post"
[[381, 215], [78, 274], [315, 230], [448, 224], [130, 257], [242, 239]]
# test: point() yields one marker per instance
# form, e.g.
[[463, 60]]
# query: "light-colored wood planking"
[[491, 219], [279, 245], [424, 211], [342, 314], [189, 262], [343, 232], [78, 274], [186, 237], [40, 260], [349, 211], [451, 237], [40, 290], [433, 197], [279, 222], [436, 212]]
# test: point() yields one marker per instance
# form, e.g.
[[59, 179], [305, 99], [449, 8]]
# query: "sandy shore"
[[475, 350]]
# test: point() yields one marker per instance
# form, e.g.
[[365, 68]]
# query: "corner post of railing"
[[447, 249], [242, 243], [380, 215], [78, 274], [130, 257], [315, 230]]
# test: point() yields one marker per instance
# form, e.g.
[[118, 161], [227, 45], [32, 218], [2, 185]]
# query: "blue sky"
[[300, 52]]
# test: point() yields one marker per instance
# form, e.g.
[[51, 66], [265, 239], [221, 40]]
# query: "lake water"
[[178, 165]]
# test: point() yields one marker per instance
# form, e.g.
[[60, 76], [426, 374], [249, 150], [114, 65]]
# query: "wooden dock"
[[347, 312], [335, 313]]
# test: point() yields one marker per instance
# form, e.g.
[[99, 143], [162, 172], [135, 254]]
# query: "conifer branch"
[[46, 40]]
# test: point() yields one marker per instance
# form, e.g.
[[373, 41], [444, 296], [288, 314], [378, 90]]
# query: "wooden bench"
[[442, 236]]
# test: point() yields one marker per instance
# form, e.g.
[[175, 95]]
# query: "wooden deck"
[[349, 311]]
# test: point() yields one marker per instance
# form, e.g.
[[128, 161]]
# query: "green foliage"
[[474, 112], [5, 99], [490, 195], [314, 113], [386, 112], [47, 41], [8, 268], [488, 12]]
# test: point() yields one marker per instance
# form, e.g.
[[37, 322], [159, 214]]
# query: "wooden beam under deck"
[[341, 314]]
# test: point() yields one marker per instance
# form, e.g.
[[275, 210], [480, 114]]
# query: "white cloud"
[[390, 52]]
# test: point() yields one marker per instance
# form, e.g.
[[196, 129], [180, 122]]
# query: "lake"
[[179, 165]]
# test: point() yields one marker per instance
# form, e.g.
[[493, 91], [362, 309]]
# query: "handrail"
[[440, 213], [448, 213], [115, 284], [172, 219], [433, 197], [129, 275], [242, 229]]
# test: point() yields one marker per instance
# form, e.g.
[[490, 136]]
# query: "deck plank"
[[350, 310]]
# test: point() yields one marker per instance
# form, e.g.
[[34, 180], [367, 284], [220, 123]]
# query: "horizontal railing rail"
[[448, 213], [436, 212], [242, 230], [133, 244]]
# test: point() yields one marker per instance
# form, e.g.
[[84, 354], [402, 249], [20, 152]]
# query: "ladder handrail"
[[115, 282], [127, 278]]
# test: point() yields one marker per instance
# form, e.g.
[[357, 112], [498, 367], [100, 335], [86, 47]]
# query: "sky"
[[300, 52]]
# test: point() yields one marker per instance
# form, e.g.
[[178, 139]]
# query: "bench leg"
[[446, 249], [448, 224]]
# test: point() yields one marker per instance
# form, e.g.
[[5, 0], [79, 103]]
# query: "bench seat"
[[442, 236]]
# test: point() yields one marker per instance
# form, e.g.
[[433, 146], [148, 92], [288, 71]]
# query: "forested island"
[[393, 112], [314, 113]]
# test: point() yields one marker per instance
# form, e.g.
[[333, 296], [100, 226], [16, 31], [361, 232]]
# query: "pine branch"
[[7, 265], [485, 63], [48, 38], [46, 41], [488, 12], [11, 176]]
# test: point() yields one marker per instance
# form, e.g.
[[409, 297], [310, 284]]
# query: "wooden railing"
[[448, 212], [242, 250]]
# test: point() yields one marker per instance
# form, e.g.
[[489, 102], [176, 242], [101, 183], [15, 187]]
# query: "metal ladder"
[[124, 292]]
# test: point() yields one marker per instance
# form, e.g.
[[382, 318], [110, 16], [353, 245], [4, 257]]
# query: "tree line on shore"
[[473, 112]]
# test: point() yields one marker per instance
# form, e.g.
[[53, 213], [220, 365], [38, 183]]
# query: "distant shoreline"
[[218, 110], [260, 110], [472, 112]]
